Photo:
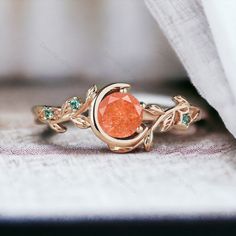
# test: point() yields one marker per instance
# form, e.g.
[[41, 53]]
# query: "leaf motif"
[[81, 121], [195, 112], [40, 115], [184, 109], [148, 140], [91, 93], [154, 109], [57, 127], [180, 99], [65, 108], [168, 122]]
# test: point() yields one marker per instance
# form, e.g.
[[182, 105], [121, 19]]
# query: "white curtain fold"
[[222, 20], [105, 40], [203, 36]]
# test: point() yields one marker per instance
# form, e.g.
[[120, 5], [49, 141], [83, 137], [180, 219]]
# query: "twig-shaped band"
[[154, 117]]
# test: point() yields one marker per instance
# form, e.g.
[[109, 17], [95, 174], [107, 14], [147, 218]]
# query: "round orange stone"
[[120, 114]]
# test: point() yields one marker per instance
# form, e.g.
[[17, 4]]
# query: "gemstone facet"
[[120, 114], [74, 103], [48, 113], [185, 119]]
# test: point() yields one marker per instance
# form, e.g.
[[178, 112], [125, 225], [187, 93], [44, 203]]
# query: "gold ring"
[[117, 117]]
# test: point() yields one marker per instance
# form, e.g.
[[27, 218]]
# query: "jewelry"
[[118, 118]]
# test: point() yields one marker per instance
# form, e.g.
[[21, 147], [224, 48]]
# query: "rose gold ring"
[[118, 118]]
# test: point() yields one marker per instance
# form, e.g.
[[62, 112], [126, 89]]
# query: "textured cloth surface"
[[186, 26], [73, 174]]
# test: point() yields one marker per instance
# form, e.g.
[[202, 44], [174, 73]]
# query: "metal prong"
[[139, 129], [124, 90], [143, 105]]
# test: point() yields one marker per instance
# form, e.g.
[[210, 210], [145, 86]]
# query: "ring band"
[[118, 118]]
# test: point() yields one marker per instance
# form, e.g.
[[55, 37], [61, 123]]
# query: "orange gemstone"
[[120, 114]]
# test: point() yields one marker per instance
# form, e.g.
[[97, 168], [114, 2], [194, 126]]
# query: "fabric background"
[[187, 28], [221, 18], [102, 40], [74, 175]]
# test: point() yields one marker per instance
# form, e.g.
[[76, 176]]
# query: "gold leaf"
[[195, 112], [81, 121], [180, 99], [91, 93], [57, 127], [65, 109], [168, 122], [148, 140], [184, 109], [154, 110]]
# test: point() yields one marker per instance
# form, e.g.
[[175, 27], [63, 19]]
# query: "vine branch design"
[[180, 117]]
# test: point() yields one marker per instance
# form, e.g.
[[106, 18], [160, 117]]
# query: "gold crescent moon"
[[116, 145]]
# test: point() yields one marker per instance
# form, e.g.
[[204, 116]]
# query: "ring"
[[117, 117]]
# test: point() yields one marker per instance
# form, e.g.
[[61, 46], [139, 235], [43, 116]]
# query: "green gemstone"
[[185, 119], [48, 113], [75, 104]]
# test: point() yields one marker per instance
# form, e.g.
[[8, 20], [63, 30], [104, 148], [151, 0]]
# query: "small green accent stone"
[[185, 119], [48, 113], [75, 104]]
